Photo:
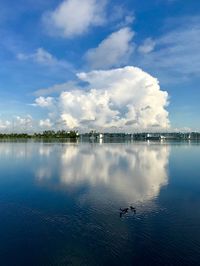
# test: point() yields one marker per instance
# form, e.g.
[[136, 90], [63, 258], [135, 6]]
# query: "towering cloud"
[[124, 98]]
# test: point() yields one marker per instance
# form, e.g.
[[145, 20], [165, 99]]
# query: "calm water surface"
[[59, 204]]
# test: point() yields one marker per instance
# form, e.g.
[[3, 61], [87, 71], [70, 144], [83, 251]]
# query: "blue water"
[[59, 203]]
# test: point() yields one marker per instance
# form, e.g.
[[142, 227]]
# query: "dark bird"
[[133, 209], [124, 210]]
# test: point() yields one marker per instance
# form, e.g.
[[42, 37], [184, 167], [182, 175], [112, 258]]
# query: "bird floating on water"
[[133, 209], [125, 210]]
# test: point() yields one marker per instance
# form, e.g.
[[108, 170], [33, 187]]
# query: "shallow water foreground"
[[59, 204]]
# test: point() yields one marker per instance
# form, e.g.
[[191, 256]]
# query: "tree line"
[[44, 134]]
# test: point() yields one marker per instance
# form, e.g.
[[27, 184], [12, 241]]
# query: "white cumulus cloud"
[[124, 98], [23, 121], [43, 102], [4, 125], [112, 51], [74, 17], [17, 124], [46, 123]]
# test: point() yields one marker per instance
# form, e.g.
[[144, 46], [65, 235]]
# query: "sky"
[[107, 65]]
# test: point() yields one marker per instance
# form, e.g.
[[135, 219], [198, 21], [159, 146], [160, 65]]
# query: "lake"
[[59, 203]]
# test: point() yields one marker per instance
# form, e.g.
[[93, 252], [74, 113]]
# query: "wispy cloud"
[[120, 16], [112, 51], [57, 88], [147, 47], [176, 51], [43, 57]]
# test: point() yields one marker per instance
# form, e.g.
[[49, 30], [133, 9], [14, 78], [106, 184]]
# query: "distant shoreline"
[[96, 136]]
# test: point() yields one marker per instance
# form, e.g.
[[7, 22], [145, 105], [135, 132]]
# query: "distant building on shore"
[[141, 136]]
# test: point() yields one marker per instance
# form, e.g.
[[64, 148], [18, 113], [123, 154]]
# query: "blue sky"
[[45, 44]]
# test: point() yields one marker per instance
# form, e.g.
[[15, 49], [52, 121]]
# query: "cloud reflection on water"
[[130, 172], [133, 172]]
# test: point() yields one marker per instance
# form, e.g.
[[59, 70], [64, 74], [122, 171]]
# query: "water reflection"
[[64, 200], [132, 172]]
